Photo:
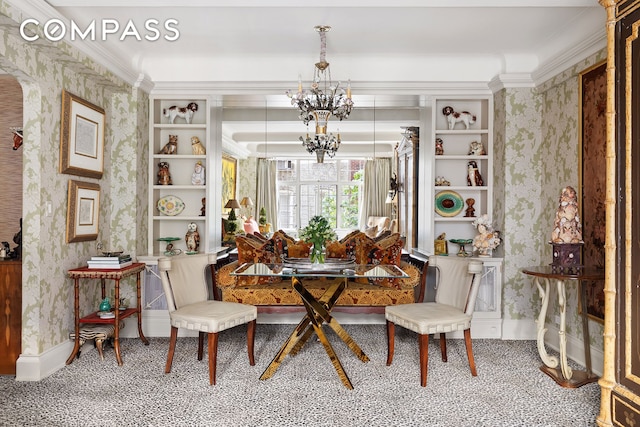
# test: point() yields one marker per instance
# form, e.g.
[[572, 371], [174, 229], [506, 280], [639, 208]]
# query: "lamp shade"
[[246, 202], [232, 204]]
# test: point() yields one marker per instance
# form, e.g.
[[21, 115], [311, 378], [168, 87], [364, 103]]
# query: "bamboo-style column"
[[607, 381]]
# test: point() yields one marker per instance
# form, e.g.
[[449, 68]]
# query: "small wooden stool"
[[99, 332]]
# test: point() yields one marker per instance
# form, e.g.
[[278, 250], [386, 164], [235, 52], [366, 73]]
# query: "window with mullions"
[[331, 189]]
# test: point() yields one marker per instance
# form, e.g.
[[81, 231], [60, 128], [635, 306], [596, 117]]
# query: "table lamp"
[[247, 203]]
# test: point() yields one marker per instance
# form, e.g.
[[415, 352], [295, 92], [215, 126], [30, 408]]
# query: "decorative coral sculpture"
[[566, 226]]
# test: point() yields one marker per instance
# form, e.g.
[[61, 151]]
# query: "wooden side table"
[[103, 274], [564, 375]]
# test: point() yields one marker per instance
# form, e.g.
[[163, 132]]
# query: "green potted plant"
[[232, 222], [263, 225]]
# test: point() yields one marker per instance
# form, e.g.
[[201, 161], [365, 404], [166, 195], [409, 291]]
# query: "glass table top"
[[337, 268]]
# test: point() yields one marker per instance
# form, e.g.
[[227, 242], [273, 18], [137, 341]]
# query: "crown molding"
[[42, 11], [511, 80], [571, 57]]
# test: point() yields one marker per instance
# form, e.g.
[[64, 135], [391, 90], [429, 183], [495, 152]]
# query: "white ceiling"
[[395, 48]]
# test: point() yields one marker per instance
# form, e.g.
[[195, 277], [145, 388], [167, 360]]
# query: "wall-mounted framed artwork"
[[83, 209], [229, 168], [593, 138], [81, 137]]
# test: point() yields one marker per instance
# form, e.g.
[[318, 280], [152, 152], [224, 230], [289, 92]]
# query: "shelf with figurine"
[[178, 167], [462, 165]]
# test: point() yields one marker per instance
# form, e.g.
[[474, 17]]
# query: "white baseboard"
[[575, 349], [526, 330], [37, 367]]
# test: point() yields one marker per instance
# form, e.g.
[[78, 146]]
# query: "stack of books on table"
[[110, 262]]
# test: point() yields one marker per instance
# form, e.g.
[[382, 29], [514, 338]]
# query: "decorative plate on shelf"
[[448, 203], [170, 205]]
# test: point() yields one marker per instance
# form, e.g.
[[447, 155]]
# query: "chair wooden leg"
[[99, 348], [200, 344], [251, 338], [172, 348], [212, 342], [391, 341], [443, 346], [467, 343], [423, 340]]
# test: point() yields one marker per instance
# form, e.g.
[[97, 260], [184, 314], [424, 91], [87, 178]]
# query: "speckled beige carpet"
[[509, 390]]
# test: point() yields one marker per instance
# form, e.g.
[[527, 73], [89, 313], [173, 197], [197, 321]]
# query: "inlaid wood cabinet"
[[10, 315], [620, 382]]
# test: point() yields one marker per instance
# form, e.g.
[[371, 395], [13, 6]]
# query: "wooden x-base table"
[[318, 312]]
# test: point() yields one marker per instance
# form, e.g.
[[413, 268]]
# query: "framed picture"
[[229, 167], [83, 208], [593, 106], [81, 137]]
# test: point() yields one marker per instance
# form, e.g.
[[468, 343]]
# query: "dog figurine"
[[164, 177], [196, 146], [476, 149], [184, 112], [171, 147], [473, 175], [454, 117]]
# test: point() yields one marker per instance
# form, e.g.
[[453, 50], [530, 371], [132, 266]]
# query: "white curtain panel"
[[267, 191], [377, 176]]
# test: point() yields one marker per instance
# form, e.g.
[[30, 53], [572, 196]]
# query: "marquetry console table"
[[103, 274], [563, 375]]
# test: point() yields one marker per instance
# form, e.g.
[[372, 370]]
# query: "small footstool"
[[99, 332]]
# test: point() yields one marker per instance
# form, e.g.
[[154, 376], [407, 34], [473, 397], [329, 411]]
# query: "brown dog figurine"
[[171, 147], [164, 177]]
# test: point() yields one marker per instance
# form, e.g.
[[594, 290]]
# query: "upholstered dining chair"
[[185, 288], [458, 280]]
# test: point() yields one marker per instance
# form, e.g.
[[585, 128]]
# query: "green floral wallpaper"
[[536, 155], [44, 70]]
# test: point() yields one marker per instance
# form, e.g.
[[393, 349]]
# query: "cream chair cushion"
[[188, 305], [454, 305], [198, 317]]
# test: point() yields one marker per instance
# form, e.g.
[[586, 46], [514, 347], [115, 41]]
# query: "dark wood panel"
[[10, 315]]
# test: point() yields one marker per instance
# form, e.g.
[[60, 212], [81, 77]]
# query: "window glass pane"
[[310, 170], [287, 170], [349, 206], [351, 170], [332, 189], [287, 207], [317, 200]]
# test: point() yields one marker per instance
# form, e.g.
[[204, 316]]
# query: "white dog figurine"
[[197, 148], [454, 117], [184, 112]]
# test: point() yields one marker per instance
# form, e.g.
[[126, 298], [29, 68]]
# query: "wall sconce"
[[393, 189]]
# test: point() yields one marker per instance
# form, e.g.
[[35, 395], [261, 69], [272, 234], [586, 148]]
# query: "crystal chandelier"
[[320, 102]]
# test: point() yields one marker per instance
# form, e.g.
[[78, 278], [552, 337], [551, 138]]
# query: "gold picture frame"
[[81, 137], [229, 171], [83, 210], [593, 98]]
